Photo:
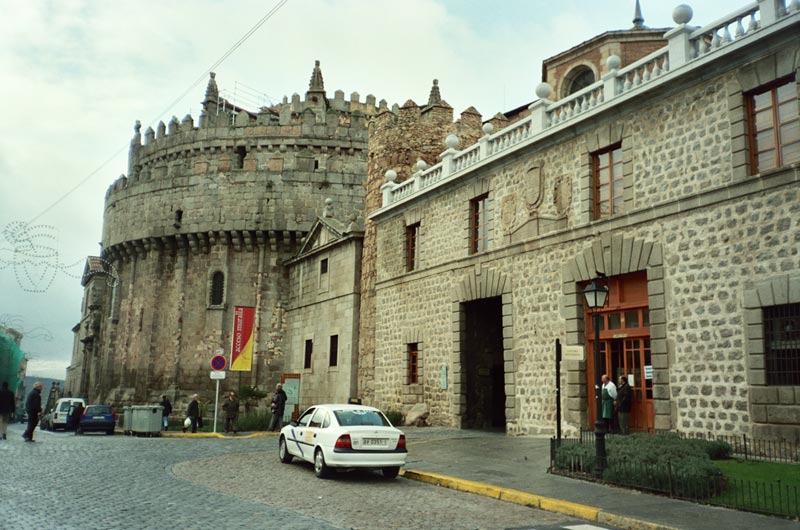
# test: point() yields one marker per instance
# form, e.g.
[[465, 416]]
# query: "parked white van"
[[62, 410]]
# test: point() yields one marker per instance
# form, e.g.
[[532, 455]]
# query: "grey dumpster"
[[146, 420], [126, 420]]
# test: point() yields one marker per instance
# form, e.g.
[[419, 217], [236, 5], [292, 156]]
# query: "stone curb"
[[580, 511], [167, 434]]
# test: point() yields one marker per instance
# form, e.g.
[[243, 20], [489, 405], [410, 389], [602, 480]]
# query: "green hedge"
[[395, 416], [666, 463]]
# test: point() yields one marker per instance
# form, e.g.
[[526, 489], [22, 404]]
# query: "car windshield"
[[350, 418], [98, 409]]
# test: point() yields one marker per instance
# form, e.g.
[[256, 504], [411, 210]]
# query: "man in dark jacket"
[[166, 410], [231, 408], [33, 406], [624, 405], [193, 412], [7, 406], [277, 407]]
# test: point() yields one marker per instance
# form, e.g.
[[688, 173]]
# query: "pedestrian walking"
[[75, 417], [166, 410], [33, 406], [231, 408], [193, 412], [7, 407], [608, 396], [623, 402], [277, 406]]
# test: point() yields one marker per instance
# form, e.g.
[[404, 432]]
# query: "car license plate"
[[380, 442], [97, 417]]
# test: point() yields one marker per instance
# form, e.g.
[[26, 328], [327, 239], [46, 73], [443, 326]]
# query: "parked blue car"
[[98, 418]]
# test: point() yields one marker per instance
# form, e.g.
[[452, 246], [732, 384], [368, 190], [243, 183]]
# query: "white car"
[[345, 437]]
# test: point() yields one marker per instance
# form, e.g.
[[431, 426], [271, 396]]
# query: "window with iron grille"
[[412, 247], [413, 364], [309, 350], [217, 294], [773, 125], [607, 181], [334, 350], [782, 344], [479, 224]]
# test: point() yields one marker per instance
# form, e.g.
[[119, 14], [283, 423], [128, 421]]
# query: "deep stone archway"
[[483, 365]]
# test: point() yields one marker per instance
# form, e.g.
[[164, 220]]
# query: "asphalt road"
[[103, 482]]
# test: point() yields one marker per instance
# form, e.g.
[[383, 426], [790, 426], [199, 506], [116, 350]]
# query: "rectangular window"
[[309, 351], [334, 350], [479, 224], [773, 125], [413, 364], [607, 181], [782, 344], [323, 266], [412, 247]]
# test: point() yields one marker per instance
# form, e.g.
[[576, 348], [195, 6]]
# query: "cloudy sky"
[[76, 75]]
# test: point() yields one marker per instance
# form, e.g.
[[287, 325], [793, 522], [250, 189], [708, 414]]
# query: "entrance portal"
[[482, 365]]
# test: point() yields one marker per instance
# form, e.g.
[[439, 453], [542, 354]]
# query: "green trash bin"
[[126, 420]]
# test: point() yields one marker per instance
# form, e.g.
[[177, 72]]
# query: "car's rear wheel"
[[320, 468], [283, 451], [390, 472], [110, 432]]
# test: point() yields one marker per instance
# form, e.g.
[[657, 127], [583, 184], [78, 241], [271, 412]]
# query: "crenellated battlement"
[[234, 168]]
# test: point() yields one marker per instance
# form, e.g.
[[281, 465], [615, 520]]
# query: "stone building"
[[204, 221], [672, 180], [416, 261]]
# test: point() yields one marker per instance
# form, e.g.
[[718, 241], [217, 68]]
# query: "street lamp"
[[596, 295]]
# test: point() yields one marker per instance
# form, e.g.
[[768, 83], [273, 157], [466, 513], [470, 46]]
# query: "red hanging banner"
[[242, 340]]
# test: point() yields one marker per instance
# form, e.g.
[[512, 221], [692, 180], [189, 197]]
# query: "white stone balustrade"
[[685, 44]]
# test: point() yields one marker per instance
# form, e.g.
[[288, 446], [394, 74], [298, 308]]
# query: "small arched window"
[[578, 79], [217, 288]]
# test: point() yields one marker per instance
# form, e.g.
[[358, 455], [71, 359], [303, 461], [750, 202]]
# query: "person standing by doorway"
[[231, 408], [7, 406], [624, 405], [33, 406], [277, 407], [608, 396], [166, 410]]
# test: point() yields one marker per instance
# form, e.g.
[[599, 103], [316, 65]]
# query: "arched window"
[[578, 79], [217, 288]]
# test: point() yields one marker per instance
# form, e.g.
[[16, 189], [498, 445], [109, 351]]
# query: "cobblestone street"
[[98, 481]]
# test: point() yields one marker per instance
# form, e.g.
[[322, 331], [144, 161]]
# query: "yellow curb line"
[[581, 511], [216, 435]]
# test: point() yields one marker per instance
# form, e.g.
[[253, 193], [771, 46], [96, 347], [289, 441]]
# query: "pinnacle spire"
[[212, 93], [436, 96], [316, 84], [638, 19]]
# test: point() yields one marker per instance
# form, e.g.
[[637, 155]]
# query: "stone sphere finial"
[[544, 90], [488, 128], [328, 201], [682, 14], [422, 165], [613, 62], [451, 141], [391, 175]]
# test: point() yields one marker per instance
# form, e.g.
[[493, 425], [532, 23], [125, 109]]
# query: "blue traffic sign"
[[218, 362]]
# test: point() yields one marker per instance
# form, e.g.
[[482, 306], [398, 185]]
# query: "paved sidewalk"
[[471, 460]]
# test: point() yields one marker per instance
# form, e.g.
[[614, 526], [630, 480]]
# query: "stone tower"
[[398, 139], [202, 222]]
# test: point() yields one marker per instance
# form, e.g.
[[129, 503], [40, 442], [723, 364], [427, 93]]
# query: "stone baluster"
[[680, 47], [539, 108], [770, 11], [386, 189], [421, 167], [610, 78]]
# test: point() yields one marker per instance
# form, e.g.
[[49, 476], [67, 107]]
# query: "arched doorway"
[[624, 346]]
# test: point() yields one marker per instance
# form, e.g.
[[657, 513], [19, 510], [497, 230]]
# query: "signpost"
[[218, 363]]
